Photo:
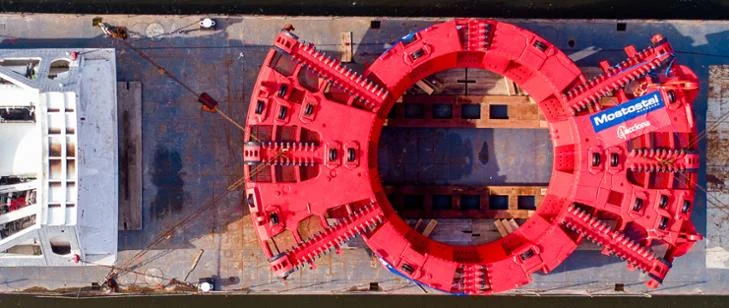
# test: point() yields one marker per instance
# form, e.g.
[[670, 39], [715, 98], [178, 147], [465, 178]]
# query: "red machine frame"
[[311, 153]]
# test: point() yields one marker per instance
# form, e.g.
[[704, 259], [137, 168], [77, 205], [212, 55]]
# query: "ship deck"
[[189, 157]]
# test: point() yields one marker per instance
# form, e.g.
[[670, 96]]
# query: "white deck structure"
[[58, 157]]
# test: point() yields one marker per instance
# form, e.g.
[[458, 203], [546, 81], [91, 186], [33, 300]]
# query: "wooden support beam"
[[345, 47], [500, 227], [425, 86], [507, 226], [418, 224], [511, 88], [430, 85], [474, 98], [430, 227], [469, 111], [512, 223], [484, 195]]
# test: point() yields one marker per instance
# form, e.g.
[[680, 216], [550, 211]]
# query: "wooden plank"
[[418, 225], [500, 227], [345, 47], [507, 226], [129, 102], [430, 227], [513, 224], [511, 88], [425, 86]]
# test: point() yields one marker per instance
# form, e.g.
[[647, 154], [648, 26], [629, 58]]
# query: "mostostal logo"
[[624, 131], [626, 111]]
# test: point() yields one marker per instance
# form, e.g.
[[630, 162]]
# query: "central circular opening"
[[465, 156]]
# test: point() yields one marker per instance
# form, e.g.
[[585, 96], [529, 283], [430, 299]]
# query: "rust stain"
[[717, 137], [54, 149]]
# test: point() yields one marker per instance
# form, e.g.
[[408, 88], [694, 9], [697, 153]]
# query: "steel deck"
[[191, 156]]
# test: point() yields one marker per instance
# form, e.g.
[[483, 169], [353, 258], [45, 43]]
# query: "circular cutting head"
[[314, 125]]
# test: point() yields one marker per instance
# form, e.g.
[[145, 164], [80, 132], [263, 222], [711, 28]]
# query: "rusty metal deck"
[[189, 157]]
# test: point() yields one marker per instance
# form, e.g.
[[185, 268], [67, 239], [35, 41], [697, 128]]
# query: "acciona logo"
[[626, 111], [624, 131]]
